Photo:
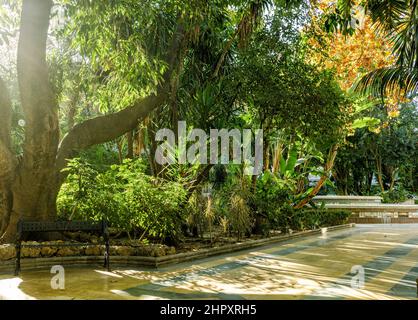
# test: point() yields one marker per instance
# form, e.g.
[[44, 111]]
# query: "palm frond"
[[398, 20], [395, 79], [251, 19], [405, 39], [345, 6], [387, 13]]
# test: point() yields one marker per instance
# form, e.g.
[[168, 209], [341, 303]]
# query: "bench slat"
[[80, 244], [48, 226]]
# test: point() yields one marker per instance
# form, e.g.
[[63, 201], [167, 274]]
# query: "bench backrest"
[[55, 226], [24, 227]]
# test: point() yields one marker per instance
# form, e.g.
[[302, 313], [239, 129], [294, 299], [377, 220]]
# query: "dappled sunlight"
[[266, 277], [9, 290], [223, 150], [383, 233], [289, 279], [360, 245], [301, 269], [106, 273], [152, 275], [315, 254], [128, 296], [407, 245]]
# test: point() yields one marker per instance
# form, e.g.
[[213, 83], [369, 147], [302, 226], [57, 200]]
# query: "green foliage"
[[365, 122], [391, 150], [240, 215], [395, 195], [233, 203], [112, 53], [317, 218], [273, 201], [280, 90], [121, 43], [309, 219], [195, 212], [126, 197], [272, 194]]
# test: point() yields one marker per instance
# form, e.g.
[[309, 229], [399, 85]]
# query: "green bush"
[[308, 219], [240, 215], [124, 196], [272, 200], [233, 204], [395, 196], [317, 218]]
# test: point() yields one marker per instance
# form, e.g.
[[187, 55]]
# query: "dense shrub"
[[272, 200], [395, 196], [135, 202], [126, 197], [241, 218], [316, 218], [195, 221], [308, 219], [233, 204]]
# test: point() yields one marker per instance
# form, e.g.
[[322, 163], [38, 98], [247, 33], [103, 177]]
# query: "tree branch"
[[327, 169], [106, 128]]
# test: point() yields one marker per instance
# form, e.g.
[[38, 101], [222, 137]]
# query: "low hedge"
[[308, 219]]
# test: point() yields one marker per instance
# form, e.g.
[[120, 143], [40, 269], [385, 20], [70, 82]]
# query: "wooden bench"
[[25, 228]]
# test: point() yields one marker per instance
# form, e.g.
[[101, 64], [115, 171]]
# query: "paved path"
[[316, 267]]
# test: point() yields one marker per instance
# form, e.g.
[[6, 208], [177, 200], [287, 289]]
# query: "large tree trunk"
[[34, 177], [7, 159], [29, 185], [41, 205]]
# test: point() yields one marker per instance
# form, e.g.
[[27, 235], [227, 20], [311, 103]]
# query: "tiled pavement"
[[315, 267]]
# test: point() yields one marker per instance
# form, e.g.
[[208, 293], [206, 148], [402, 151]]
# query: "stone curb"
[[155, 262]]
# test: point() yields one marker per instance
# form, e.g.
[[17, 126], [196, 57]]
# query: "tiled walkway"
[[316, 267]]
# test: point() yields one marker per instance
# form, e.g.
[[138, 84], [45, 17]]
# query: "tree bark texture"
[[29, 184]]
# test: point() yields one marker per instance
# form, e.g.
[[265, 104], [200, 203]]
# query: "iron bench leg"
[[17, 263], [107, 249], [107, 256]]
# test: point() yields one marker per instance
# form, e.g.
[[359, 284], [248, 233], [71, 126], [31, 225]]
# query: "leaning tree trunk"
[[324, 177], [29, 184]]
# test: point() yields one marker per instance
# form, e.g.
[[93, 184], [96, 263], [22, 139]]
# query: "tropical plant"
[[124, 196]]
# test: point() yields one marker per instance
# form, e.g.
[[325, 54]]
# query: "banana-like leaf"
[[365, 122], [291, 160]]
